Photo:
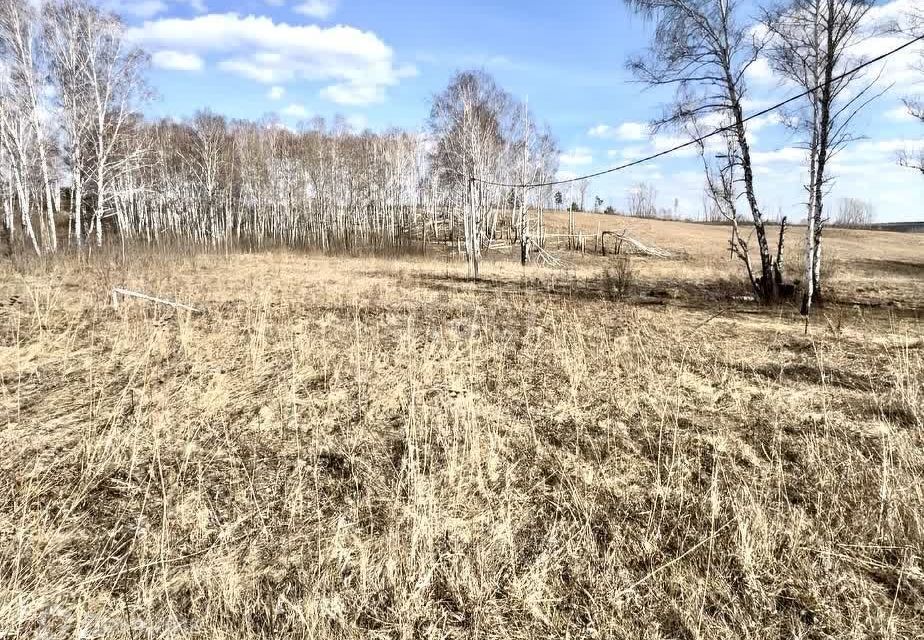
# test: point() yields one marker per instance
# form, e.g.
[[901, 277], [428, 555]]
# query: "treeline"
[[79, 163], [211, 181]]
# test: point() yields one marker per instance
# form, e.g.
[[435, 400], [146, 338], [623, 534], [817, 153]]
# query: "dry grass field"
[[358, 447], [868, 267]]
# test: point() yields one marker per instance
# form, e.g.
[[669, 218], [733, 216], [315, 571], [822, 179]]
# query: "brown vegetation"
[[353, 447], [878, 268]]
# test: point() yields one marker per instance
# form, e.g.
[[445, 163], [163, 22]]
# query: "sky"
[[378, 62]]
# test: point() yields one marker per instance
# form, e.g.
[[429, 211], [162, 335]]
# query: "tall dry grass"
[[381, 449]]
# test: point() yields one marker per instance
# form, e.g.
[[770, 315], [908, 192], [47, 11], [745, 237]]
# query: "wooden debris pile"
[[626, 244]]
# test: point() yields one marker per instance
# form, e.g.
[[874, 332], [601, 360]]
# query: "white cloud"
[[665, 142], [900, 114], [786, 154], [867, 169], [321, 9], [578, 156], [888, 146], [296, 111], [899, 68], [714, 120], [628, 153], [177, 61], [750, 105], [770, 120], [632, 131], [259, 67], [662, 142], [870, 171], [353, 94], [356, 65], [625, 131], [761, 72], [895, 12], [276, 93]]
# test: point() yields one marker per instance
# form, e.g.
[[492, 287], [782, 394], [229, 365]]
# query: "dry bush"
[[619, 278], [372, 449]]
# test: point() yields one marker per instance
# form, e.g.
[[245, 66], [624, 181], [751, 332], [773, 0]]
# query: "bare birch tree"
[[65, 46], [478, 141], [21, 50], [911, 24], [583, 186], [853, 212], [810, 45], [113, 72], [466, 120], [702, 49], [722, 193], [642, 200], [16, 143]]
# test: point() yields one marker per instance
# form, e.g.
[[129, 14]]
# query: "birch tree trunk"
[[811, 41]]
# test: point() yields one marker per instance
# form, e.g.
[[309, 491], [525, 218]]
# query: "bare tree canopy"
[[911, 23], [702, 49], [97, 164], [481, 132], [852, 212], [809, 44], [642, 201]]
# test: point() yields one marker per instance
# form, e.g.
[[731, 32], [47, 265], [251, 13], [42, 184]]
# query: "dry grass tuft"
[[380, 449]]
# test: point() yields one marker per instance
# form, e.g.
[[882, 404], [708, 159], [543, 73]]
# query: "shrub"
[[619, 278]]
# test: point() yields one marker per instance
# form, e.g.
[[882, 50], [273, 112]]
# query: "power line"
[[708, 135]]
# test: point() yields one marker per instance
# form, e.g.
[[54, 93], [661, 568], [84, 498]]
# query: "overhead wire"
[[702, 138]]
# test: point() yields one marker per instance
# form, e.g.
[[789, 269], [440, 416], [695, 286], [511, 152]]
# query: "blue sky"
[[377, 63]]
